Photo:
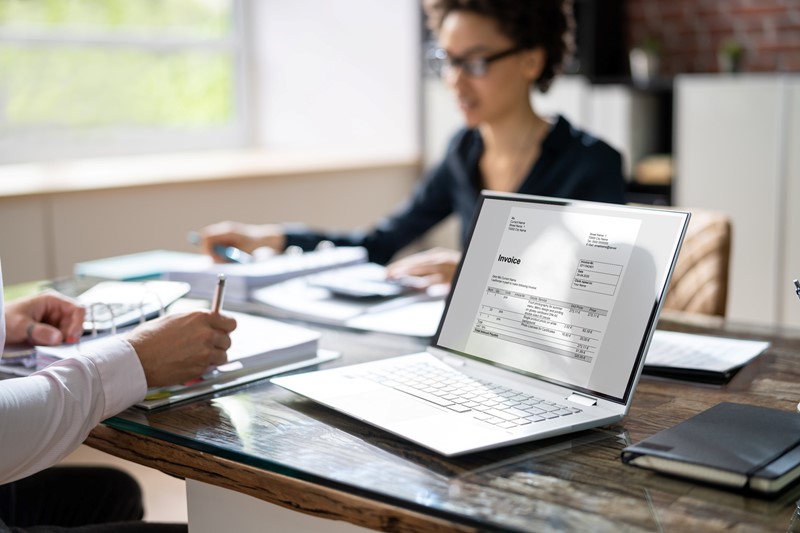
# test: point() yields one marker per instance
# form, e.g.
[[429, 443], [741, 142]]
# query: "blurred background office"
[[126, 123]]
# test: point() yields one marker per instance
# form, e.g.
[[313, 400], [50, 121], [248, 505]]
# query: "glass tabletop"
[[575, 482]]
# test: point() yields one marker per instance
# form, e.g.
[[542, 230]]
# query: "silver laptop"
[[545, 330]]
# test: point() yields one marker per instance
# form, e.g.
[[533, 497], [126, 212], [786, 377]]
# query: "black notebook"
[[749, 448]]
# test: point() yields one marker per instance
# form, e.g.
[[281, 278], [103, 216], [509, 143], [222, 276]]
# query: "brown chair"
[[700, 281]]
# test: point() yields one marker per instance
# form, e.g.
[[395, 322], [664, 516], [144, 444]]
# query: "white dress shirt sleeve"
[[45, 416]]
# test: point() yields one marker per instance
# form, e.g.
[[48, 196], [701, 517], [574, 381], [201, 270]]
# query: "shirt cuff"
[[121, 374]]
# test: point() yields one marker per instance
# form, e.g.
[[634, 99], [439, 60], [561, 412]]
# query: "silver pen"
[[219, 293]]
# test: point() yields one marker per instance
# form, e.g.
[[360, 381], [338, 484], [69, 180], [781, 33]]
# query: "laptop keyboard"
[[488, 402]]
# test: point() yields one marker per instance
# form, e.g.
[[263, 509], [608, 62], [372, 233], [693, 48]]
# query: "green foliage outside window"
[[114, 79], [209, 18]]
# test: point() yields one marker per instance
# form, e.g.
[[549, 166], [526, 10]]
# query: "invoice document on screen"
[[553, 286]]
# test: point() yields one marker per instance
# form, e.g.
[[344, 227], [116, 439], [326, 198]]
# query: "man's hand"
[[45, 319], [177, 348], [434, 266]]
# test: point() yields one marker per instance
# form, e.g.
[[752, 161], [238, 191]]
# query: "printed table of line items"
[[563, 328]]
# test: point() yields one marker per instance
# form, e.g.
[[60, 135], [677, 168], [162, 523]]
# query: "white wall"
[[790, 307], [736, 140], [339, 74], [43, 236]]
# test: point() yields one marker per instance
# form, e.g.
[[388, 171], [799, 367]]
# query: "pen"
[[219, 293], [797, 288]]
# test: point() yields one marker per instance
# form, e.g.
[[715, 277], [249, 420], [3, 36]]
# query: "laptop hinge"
[[581, 399]]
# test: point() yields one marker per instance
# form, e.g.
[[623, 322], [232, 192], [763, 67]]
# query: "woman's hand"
[[245, 237], [434, 266]]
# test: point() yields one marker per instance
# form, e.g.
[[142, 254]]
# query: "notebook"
[[544, 332], [260, 348], [738, 446]]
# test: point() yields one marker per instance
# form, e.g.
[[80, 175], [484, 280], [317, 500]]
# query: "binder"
[[110, 306], [261, 347], [116, 304]]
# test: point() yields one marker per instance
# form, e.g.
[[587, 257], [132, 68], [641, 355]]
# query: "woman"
[[491, 54]]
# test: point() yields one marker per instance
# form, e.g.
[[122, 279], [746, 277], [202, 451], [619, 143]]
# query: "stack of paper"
[[699, 357], [18, 360], [260, 348], [143, 265], [242, 279], [258, 344]]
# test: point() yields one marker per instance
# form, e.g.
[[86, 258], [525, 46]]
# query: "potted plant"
[[730, 56], [644, 61]]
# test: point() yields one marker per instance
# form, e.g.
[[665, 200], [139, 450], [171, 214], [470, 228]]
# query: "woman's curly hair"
[[528, 23]]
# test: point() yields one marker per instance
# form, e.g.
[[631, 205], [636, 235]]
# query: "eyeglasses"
[[442, 64]]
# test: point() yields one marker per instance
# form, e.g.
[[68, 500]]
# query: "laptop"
[[544, 332]]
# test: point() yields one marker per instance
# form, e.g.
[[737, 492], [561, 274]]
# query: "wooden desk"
[[280, 448]]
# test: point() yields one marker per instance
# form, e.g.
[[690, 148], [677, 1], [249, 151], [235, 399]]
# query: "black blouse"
[[572, 164]]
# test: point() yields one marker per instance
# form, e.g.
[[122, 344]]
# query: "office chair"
[[700, 281]]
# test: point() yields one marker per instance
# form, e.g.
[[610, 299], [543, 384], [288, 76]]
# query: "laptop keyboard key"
[[485, 401], [425, 396], [501, 414]]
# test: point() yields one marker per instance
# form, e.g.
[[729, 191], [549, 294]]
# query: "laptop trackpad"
[[360, 398], [383, 405], [396, 412]]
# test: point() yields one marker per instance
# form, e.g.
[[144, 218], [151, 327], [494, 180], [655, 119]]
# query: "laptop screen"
[[562, 290]]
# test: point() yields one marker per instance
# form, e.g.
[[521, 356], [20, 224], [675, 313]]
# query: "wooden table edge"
[[290, 493]]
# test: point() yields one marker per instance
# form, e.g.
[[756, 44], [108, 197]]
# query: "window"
[[102, 77]]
